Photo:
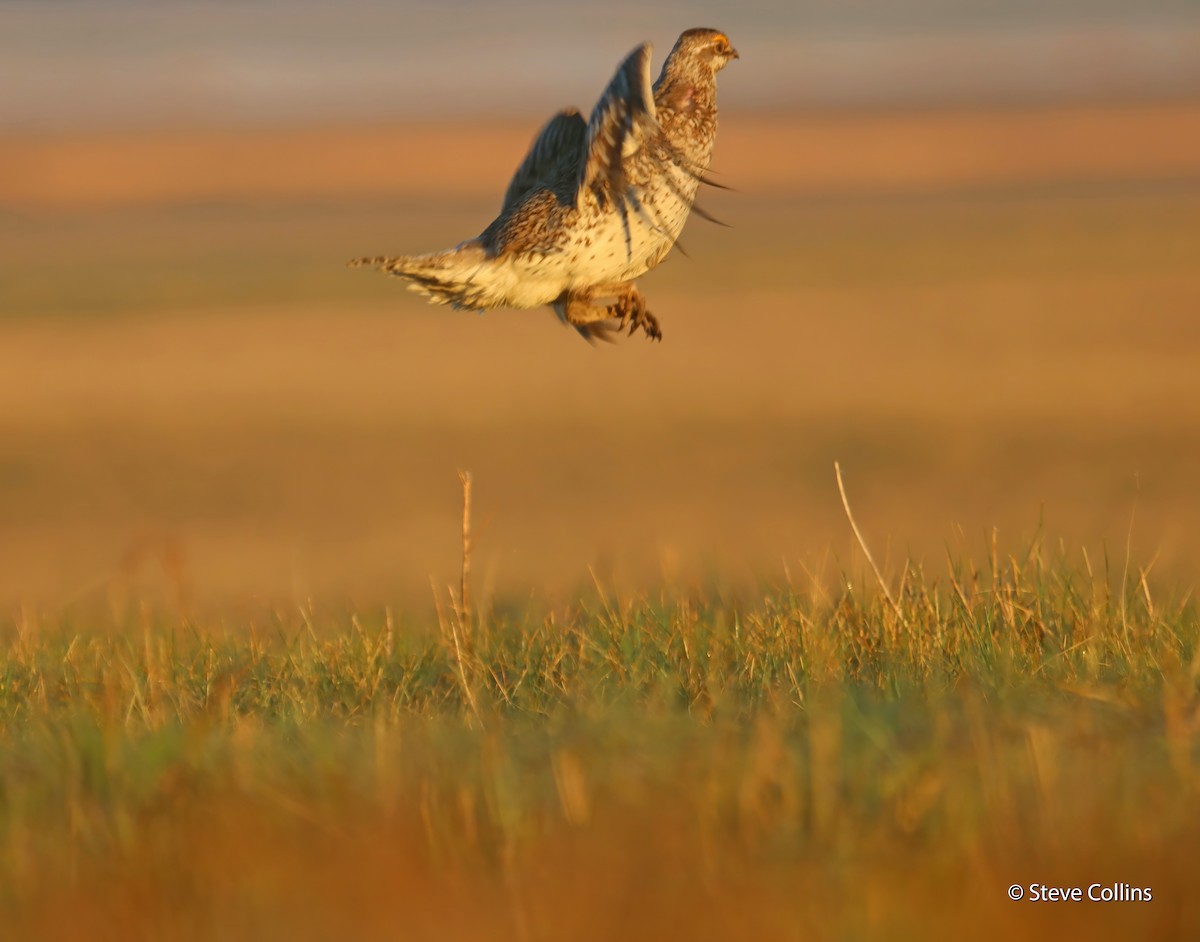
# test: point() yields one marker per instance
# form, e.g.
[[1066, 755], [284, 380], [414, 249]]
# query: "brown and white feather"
[[593, 205]]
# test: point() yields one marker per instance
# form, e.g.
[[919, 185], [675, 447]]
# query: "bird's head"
[[709, 48]]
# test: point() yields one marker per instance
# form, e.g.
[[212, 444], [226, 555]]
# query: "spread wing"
[[554, 159], [622, 123]]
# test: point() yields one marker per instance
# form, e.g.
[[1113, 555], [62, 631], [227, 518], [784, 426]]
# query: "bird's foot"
[[633, 314]]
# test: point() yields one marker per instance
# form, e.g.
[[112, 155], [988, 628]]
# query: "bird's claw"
[[649, 325], [633, 315]]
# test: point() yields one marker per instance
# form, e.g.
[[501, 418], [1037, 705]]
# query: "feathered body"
[[594, 205]]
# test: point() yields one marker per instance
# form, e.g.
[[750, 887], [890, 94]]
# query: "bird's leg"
[[631, 309], [629, 312], [586, 317]]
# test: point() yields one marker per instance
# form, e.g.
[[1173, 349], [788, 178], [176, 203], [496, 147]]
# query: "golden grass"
[[216, 444], [206, 402], [800, 764]]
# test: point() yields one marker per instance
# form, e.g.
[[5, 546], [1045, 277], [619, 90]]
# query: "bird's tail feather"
[[374, 261], [449, 277]]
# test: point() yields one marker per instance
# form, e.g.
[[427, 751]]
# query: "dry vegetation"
[[799, 766], [199, 398], [229, 711]]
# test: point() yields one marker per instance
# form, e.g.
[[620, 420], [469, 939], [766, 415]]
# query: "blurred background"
[[962, 263]]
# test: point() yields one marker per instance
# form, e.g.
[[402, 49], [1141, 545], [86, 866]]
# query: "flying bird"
[[595, 204]]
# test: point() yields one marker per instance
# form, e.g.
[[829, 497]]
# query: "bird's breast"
[[617, 240]]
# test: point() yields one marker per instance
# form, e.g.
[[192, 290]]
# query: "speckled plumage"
[[594, 205]]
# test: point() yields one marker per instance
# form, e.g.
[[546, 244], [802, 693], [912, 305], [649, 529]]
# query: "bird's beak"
[[733, 53]]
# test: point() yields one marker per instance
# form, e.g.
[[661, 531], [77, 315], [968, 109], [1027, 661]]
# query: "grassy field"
[[237, 702], [790, 766], [986, 318]]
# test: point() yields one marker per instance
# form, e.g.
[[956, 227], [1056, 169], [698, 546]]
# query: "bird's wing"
[[554, 158], [622, 122]]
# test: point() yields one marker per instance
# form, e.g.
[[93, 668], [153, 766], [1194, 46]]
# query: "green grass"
[[803, 764]]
